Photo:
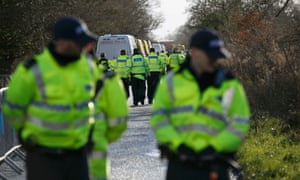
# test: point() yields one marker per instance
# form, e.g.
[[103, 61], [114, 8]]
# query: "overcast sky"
[[174, 15]]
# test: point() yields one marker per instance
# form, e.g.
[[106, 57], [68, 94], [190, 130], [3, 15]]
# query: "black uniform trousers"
[[152, 83], [178, 170], [126, 85], [69, 166], [138, 90]]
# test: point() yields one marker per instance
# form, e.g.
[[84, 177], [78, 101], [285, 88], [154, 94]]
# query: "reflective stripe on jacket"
[[50, 102], [154, 62], [183, 114]]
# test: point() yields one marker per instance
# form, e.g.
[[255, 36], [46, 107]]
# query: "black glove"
[[188, 154], [165, 151], [29, 144], [228, 155], [209, 151], [187, 151], [19, 136]]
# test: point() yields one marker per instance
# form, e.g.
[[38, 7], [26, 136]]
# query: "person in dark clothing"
[[103, 61]]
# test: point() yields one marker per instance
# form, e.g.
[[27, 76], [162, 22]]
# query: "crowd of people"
[[67, 111], [142, 72]]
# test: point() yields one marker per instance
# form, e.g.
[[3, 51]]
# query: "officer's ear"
[[194, 52], [89, 47]]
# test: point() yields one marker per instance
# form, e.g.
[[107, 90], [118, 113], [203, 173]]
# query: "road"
[[134, 156]]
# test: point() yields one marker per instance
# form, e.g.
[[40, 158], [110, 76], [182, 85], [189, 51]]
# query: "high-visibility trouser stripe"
[[241, 120], [14, 106], [170, 85], [197, 127], [117, 121], [39, 80], [99, 155], [58, 125], [213, 114], [235, 131], [161, 124]]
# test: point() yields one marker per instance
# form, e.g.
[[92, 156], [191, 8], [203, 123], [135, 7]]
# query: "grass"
[[270, 151]]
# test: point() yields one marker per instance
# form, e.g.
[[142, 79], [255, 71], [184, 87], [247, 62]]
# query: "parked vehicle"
[[111, 45]]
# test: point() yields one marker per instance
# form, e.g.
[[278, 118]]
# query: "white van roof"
[[111, 45]]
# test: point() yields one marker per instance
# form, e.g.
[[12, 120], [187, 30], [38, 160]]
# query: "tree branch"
[[284, 6]]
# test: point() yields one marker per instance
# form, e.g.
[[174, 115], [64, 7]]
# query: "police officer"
[[103, 62], [200, 112], [164, 58], [155, 67], [175, 59], [139, 72], [48, 103], [109, 125], [122, 68]]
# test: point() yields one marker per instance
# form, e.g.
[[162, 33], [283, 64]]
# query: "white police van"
[[111, 45]]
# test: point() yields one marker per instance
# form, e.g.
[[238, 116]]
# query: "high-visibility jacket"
[[112, 102], [154, 62], [139, 66], [49, 102], [103, 64], [175, 60], [183, 114], [123, 66], [112, 64], [164, 59]]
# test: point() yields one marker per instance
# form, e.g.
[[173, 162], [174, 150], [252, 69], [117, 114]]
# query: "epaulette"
[[28, 64]]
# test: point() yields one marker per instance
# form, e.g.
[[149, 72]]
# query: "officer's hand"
[[89, 147], [209, 151], [185, 150], [228, 155], [165, 151]]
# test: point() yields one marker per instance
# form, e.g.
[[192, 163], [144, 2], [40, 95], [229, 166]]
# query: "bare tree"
[[26, 26]]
